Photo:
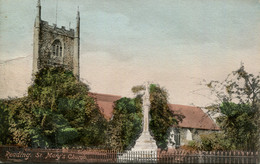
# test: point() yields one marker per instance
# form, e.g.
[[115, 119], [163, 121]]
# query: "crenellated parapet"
[[55, 29]]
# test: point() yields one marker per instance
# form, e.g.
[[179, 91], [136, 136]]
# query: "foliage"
[[212, 142], [192, 145], [238, 102], [57, 112], [216, 141], [138, 88], [162, 118], [4, 124], [94, 134], [126, 124], [237, 122]]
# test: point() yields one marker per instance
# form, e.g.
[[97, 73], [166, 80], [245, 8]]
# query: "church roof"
[[105, 103], [193, 117]]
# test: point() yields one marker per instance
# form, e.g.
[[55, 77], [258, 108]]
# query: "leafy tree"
[[57, 112], [237, 122], [162, 118], [238, 102], [126, 123]]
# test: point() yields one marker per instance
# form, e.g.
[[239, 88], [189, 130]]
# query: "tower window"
[[60, 51], [56, 48]]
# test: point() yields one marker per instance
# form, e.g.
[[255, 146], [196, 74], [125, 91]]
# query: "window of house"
[[56, 48], [177, 138]]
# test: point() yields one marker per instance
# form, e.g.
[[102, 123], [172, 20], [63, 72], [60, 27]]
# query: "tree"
[[238, 103], [57, 112], [162, 118], [237, 122], [126, 124]]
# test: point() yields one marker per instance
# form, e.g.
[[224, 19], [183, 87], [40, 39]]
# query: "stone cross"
[[146, 106], [145, 142]]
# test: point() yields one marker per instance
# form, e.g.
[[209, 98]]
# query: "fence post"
[[221, 157], [250, 154], [217, 156], [247, 157], [244, 157], [208, 156], [254, 157], [241, 156], [200, 157], [234, 156], [258, 157], [158, 157]]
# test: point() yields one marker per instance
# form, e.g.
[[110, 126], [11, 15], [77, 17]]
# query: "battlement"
[[55, 29]]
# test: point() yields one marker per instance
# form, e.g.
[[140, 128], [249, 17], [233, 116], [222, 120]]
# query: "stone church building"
[[55, 46], [58, 46]]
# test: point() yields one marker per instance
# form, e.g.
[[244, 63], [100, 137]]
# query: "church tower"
[[54, 46]]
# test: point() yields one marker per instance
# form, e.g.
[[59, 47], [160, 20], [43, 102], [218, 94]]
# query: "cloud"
[[15, 77]]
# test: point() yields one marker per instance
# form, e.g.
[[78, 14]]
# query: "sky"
[[177, 44]]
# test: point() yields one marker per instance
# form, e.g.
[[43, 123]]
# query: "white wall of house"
[[188, 135], [182, 136], [172, 138]]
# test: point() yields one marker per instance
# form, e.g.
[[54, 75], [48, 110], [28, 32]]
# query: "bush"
[[211, 142]]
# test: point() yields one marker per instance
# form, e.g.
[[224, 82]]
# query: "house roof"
[[194, 117]]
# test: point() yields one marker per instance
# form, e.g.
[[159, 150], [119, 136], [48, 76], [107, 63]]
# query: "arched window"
[[56, 48]]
